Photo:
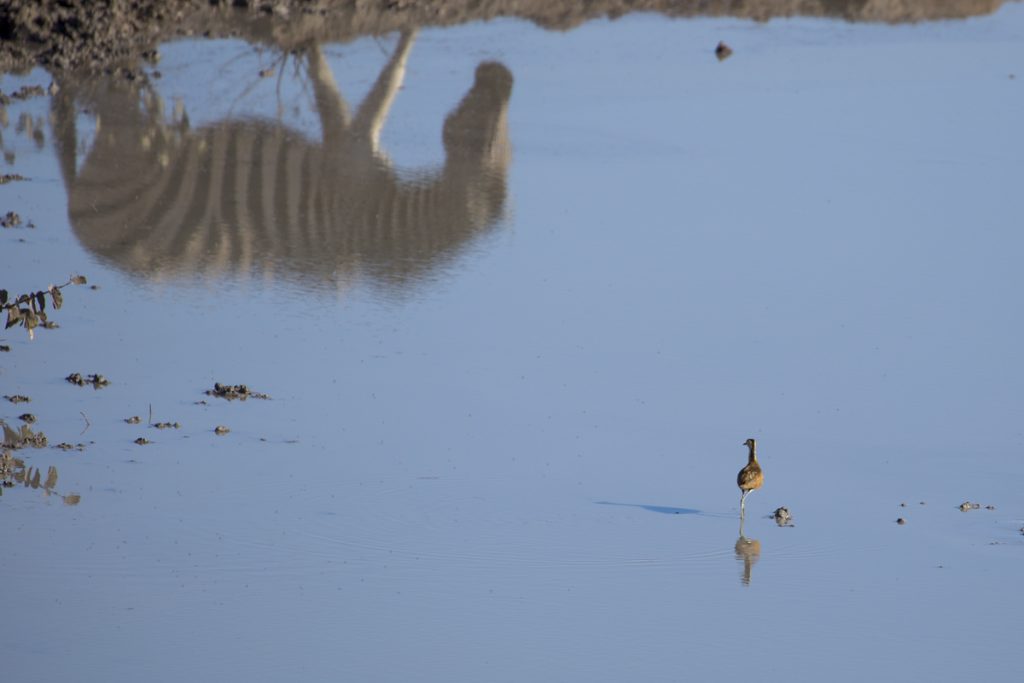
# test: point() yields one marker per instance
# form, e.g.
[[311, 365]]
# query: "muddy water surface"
[[517, 298]]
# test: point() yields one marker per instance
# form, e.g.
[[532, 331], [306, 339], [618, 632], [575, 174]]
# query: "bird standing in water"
[[750, 477]]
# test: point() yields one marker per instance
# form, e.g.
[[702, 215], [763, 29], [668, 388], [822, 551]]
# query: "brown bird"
[[750, 477]]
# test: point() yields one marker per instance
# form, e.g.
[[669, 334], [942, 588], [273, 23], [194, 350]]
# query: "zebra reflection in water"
[[158, 199]]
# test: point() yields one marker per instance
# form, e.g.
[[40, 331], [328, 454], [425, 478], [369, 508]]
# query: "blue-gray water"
[[503, 436]]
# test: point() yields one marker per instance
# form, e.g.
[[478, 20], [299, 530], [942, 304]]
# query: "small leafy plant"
[[29, 310]]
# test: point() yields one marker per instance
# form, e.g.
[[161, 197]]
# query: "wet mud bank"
[[79, 34]]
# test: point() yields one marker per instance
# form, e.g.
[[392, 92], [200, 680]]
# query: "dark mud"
[[80, 34]]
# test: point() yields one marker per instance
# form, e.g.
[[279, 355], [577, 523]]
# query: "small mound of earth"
[[968, 505], [782, 516], [234, 391], [95, 380]]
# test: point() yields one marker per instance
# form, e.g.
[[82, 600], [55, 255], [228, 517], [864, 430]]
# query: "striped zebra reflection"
[[160, 200]]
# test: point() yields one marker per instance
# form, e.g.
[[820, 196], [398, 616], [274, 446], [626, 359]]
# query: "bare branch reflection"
[[159, 199]]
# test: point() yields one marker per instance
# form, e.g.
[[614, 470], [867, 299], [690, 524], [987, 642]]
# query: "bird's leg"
[[743, 498]]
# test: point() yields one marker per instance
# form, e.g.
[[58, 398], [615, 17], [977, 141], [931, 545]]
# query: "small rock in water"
[[782, 517], [95, 380], [234, 391]]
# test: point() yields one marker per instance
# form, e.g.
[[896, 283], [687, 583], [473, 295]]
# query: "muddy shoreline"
[[79, 34]]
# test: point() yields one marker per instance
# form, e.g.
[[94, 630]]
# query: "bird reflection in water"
[[252, 196], [749, 551]]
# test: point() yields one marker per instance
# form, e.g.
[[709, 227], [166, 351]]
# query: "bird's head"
[[750, 443]]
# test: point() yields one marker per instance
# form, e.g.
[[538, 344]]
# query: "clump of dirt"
[[783, 517], [234, 391], [95, 380]]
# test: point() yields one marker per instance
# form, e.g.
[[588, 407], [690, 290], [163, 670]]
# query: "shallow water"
[[511, 368]]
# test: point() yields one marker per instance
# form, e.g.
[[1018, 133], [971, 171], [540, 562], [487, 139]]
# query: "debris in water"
[[782, 516], [722, 51], [96, 381], [233, 391], [21, 437], [10, 220], [968, 505]]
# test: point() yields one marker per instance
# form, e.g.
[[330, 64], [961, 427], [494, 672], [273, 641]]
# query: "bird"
[[750, 477]]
